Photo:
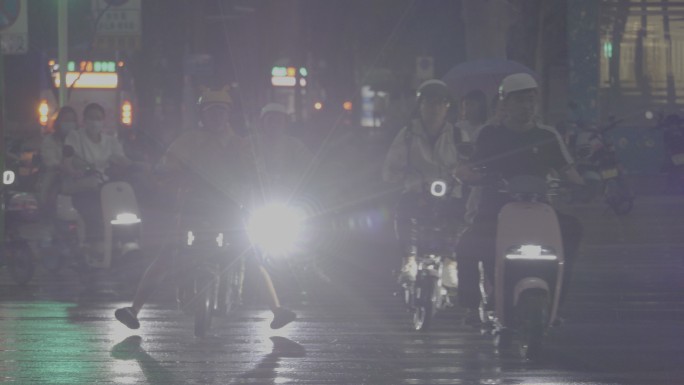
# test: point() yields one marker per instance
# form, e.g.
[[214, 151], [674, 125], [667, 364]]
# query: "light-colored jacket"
[[413, 160]]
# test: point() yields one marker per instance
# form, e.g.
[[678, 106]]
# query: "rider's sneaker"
[[282, 317], [128, 317], [409, 271], [450, 275]]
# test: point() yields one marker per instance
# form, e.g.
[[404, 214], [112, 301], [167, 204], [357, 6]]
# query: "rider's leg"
[[403, 226], [89, 207], [152, 277], [281, 315], [475, 245], [273, 301]]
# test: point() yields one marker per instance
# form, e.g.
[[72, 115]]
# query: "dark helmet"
[[433, 89], [211, 97]]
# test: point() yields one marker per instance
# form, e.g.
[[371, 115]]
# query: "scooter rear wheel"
[[53, 257]]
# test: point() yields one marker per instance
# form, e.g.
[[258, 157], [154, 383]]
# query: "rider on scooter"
[[513, 144], [214, 173], [91, 152], [426, 148]]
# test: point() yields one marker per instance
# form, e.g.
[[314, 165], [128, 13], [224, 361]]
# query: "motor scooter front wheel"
[[618, 197], [532, 317], [19, 259], [205, 295], [425, 303]]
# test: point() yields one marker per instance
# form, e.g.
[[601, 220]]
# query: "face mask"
[[66, 127], [94, 126]]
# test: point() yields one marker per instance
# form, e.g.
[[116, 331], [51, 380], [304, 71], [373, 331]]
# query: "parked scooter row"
[[672, 127], [597, 163]]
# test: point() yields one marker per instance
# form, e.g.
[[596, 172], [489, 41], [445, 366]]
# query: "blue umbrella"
[[484, 75]]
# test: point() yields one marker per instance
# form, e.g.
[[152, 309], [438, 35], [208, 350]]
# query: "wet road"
[[624, 324]]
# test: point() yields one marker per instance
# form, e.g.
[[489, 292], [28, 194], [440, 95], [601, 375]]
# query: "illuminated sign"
[[88, 80], [88, 74], [287, 76], [87, 66], [126, 113]]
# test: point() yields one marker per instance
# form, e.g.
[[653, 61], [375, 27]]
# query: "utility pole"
[[2, 148], [62, 48]]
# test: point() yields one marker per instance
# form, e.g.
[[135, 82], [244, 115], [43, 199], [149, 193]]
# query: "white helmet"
[[516, 82], [273, 107]]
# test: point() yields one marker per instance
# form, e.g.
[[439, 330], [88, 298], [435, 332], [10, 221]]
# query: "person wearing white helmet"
[[422, 152], [214, 174], [512, 144]]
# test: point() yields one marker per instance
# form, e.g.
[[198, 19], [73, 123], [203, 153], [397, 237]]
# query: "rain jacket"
[[413, 160]]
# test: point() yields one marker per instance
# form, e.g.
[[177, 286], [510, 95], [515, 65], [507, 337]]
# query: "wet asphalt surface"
[[624, 321]]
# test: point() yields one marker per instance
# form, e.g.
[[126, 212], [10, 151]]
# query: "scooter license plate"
[[678, 159], [609, 173]]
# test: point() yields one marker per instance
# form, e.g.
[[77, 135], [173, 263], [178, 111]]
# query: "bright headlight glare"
[[532, 252], [125, 219], [275, 228]]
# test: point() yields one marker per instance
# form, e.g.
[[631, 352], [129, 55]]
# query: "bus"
[[105, 82]]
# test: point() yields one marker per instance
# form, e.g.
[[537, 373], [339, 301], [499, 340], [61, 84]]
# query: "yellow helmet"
[[209, 96]]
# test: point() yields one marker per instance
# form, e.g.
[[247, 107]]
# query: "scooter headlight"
[[125, 219], [438, 188], [276, 228], [531, 252]]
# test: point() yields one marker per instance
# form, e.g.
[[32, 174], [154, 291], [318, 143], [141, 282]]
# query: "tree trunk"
[[486, 26]]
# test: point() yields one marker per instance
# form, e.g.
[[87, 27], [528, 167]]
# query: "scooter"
[[522, 302], [21, 210], [24, 227], [598, 164], [673, 141], [121, 223], [433, 236], [214, 285]]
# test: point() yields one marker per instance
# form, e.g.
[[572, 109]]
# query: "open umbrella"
[[484, 75]]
